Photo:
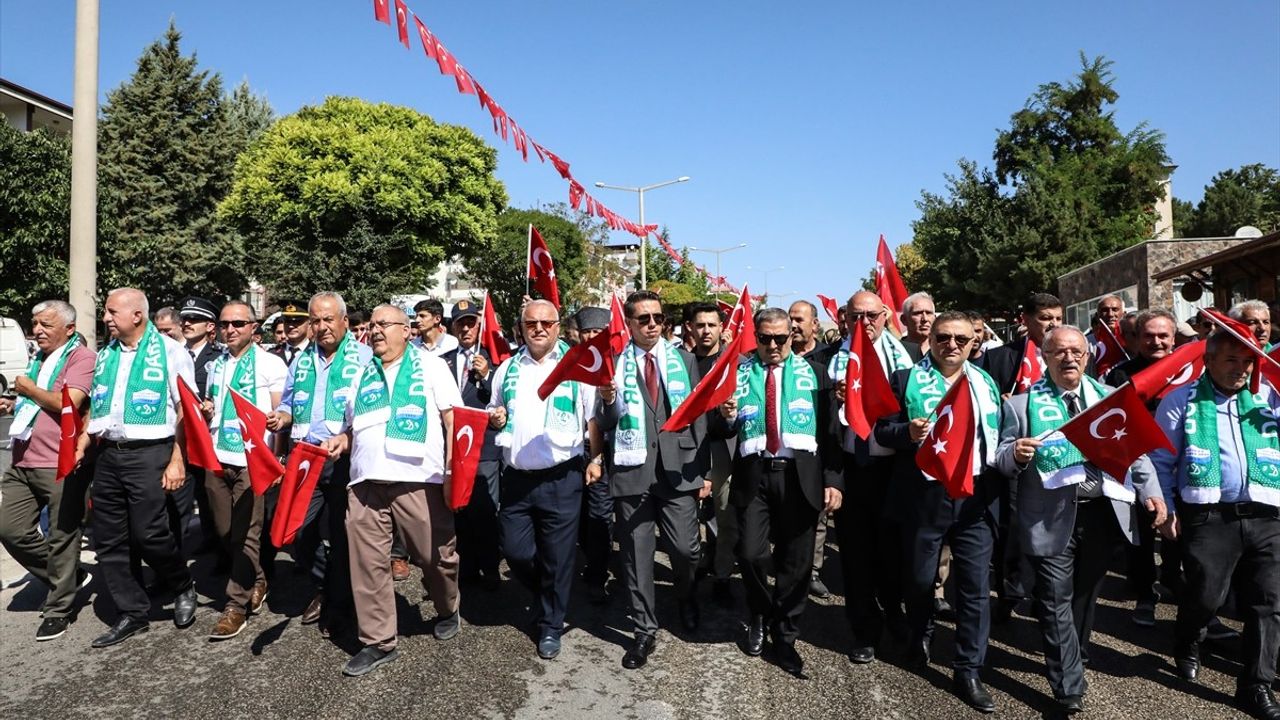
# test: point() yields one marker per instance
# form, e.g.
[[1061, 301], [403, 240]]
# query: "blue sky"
[[808, 128]]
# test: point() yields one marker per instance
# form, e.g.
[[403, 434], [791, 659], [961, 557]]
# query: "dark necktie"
[[1092, 485], [464, 368], [651, 377], [773, 438]]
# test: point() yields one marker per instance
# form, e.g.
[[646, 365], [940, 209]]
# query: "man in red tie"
[[787, 469]]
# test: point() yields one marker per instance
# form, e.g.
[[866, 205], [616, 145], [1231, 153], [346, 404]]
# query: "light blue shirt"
[[319, 432]]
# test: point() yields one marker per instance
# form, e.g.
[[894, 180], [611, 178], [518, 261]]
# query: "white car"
[[14, 357]]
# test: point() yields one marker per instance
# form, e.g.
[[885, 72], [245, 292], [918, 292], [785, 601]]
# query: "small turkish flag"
[[542, 269], [199, 444], [261, 463], [71, 427], [829, 304], [468, 439], [946, 455], [1030, 370], [402, 22], [590, 362], [1170, 372], [1108, 351], [381, 12], [712, 390], [1264, 363], [741, 322], [1115, 432], [619, 335], [491, 338], [428, 40], [867, 395], [306, 464], [889, 283], [1272, 370]]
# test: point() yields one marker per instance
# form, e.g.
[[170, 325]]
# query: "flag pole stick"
[[528, 259]]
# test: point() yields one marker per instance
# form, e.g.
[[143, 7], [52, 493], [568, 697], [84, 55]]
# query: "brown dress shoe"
[[312, 613], [229, 625], [258, 597], [399, 569]]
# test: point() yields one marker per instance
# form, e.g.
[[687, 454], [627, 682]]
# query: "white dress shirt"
[[531, 447], [180, 365]]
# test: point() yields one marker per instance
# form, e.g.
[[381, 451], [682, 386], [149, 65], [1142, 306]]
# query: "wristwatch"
[[598, 460]]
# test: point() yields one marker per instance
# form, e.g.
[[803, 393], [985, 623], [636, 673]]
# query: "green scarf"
[[146, 403], [926, 388], [344, 368], [1046, 412], [1261, 449], [229, 442], [630, 441], [561, 419], [26, 410], [799, 421], [405, 411]]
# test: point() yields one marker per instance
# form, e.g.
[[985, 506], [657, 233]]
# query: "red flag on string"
[[542, 269], [619, 334], [463, 80], [717, 386], [468, 439], [867, 394], [446, 62], [946, 455], [428, 40], [381, 12], [71, 426], [889, 283], [1030, 370], [491, 338], [1115, 432], [261, 463], [1183, 365], [402, 22], [590, 362], [306, 464], [829, 304], [199, 443], [741, 323], [1107, 350]]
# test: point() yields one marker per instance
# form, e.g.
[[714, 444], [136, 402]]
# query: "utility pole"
[[83, 256]]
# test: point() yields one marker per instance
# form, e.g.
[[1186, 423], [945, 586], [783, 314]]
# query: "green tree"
[[35, 197], [249, 115], [1233, 199], [405, 189], [499, 263]]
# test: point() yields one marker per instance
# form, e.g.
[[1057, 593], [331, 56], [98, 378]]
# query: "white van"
[[14, 358]]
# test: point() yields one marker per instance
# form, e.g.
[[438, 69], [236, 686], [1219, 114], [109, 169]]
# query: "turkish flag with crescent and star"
[[829, 304], [491, 338], [889, 283], [306, 465], [741, 323], [1182, 366], [71, 425], [1264, 365], [261, 463], [542, 269], [1115, 432], [619, 335], [402, 22], [946, 455], [590, 362], [717, 386], [381, 12], [468, 439], [1030, 370], [199, 444], [867, 395], [1107, 350]]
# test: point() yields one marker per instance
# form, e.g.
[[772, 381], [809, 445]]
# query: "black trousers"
[[1215, 546], [321, 547], [477, 525], [781, 513], [130, 524], [595, 531], [870, 550], [1013, 573], [539, 523], [1066, 590]]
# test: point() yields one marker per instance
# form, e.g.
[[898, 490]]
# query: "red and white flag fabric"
[[889, 283], [402, 22], [717, 386], [381, 12], [491, 337], [468, 440], [946, 455], [542, 269], [619, 335], [1115, 432], [306, 464], [1030, 370], [71, 425], [1183, 365], [1265, 364], [1108, 351], [199, 443], [260, 462], [867, 394], [428, 40], [590, 362], [741, 323], [829, 304]]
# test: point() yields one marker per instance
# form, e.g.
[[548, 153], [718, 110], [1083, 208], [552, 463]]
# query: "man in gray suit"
[[656, 478], [1072, 519]]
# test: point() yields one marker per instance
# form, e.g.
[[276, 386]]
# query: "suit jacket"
[[684, 456], [913, 350], [1002, 364], [815, 472], [1048, 516], [475, 394]]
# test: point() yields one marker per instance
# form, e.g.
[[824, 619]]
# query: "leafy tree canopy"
[[1249, 195], [500, 263], [35, 198]]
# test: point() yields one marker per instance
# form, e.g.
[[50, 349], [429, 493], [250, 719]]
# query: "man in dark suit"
[[595, 526], [656, 478], [786, 469], [297, 331], [1072, 519], [472, 368]]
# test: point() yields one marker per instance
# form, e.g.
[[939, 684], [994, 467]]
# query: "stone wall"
[[1162, 255], [1134, 266]]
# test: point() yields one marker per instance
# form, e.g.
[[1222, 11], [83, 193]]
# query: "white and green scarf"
[[405, 411], [146, 401], [1059, 462], [926, 388], [630, 440], [228, 440], [799, 421], [1261, 449], [43, 372], [561, 421], [342, 371]]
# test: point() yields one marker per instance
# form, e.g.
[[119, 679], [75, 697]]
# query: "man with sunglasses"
[[967, 524], [656, 478], [786, 470], [543, 454], [237, 512]]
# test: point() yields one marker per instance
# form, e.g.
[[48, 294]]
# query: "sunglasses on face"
[[778, 340], [869, 315], [536, 324], [650, 319], [237, 324], [960, 340]]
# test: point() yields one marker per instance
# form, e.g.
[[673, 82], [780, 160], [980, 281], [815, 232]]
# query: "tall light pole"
[[718, 252], [644, 267], [766, 276], [83, 251]]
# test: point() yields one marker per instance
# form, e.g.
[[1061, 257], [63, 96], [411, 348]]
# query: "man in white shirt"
[[396, 425]]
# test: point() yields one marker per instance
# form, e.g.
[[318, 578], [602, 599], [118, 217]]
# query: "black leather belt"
[[1232, 511], [132, 444], [777, 464]]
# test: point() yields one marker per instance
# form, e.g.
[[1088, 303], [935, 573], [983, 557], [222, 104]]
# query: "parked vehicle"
[[14, 357]]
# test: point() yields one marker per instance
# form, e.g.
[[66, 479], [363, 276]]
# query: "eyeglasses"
[[959, 340], [544, 324], [869, 315], [237, 324], [1068, 352], [384, 324], [650, 318], [778, 340]]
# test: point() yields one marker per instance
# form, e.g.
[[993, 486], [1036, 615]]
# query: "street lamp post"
[[766, 276], [718, 252], [644, 267]]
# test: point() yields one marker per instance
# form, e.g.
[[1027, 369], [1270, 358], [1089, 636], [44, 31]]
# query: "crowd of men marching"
[[634, 459]]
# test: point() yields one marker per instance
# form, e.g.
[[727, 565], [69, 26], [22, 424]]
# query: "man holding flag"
[[32, 481], [237, 510]]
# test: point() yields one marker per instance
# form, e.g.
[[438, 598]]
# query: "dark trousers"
[[779, 512], [321, 547], [477, 525], [130, 521], [1142, 560], [1215, 547], [675, 516], [539, 522], [237, 519], [870, 550], [595, 531], [1013, 573], [1066, 590], [53, 556], [208, 530]]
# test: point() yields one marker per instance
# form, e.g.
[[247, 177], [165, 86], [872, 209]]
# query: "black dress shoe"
[[918, 654], [1257, 701], [862, 655], [1071, 704], [974, 694], [638, 654], [689, 615], [124, 629], [787, 658], [1187, 660], [184, 607], [754, 644]]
